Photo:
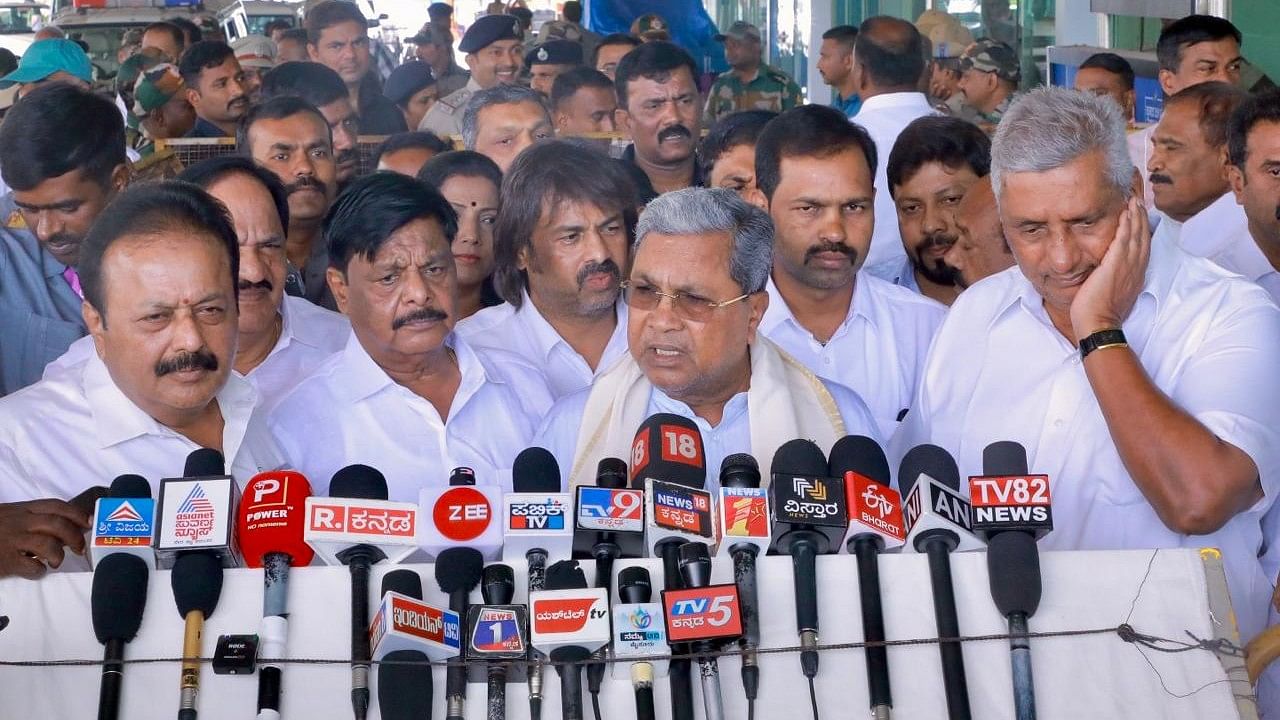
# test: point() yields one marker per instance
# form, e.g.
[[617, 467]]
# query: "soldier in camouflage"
[[989, 80], [749, 84]]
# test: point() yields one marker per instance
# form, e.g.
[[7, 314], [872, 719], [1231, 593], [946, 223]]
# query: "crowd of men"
[[934, 257]]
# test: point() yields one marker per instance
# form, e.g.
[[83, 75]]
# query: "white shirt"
[[1220, 233], [559, 431], [885, 117], [1139, 142], [878, 351], [527, 333], [998, 370], [898, 271], [351, 411]]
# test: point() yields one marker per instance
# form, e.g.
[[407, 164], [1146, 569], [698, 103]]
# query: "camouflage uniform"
[[991, 56], [771, 89]]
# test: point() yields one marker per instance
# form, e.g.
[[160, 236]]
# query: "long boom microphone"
[[745, 533], [458, 571], [875, 517], [119, 594], [497, 636]]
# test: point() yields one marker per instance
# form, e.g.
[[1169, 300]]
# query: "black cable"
[[751, 709], [813, 698], [595, 705]]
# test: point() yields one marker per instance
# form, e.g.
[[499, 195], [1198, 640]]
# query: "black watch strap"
[[1113, 337]]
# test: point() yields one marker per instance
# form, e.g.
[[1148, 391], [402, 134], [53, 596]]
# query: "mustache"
[[852, 253], [238, 101], [198, 360], [591, 268], [244, 285], [1157, 178], [344, 157], [417, 316], [934, 240], [674, 132], [304, 182], [64, 237]]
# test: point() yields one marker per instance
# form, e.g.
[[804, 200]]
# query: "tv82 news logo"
[[676, 444]]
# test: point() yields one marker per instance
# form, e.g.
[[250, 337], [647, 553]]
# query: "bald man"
[[980, 249]]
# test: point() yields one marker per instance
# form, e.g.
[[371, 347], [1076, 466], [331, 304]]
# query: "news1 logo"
[[1011, 502], [746, 512], [497, 630], [676, 444], [546, 515], [676, 507], [462, 513], [713, 612], [124, 522], [616, 509]]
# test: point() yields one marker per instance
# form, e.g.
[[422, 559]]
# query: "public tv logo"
[[565, 615], [548, 515], [196, 516]]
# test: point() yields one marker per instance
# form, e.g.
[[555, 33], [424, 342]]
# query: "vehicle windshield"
[[15, 21], [258, 23], [104, 43]]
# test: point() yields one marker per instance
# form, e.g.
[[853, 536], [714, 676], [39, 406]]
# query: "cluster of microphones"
[[658, 505]]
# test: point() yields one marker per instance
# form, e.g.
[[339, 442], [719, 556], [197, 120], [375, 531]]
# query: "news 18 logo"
[[677, 507], [547, 515]]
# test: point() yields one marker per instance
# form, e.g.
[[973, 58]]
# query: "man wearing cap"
[[548, 61], [989, 79], [413, 88], [948, 39], [650, 28], [749, 84], [492, 45], [257, 55], [126, 78], [161, 107], [50, 61], [435, 48]]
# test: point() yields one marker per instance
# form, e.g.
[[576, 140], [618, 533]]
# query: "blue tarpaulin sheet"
[[691, 26]]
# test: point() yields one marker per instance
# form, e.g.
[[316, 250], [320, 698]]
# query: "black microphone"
[[810, 516], [117, 601], [938, 524], [204, 462], [568, 658], [366, 483], [862, 456], [636, 589], [744, 512], [405, 686], [610, 473], [458, 571], [497, 589], [197, 585]]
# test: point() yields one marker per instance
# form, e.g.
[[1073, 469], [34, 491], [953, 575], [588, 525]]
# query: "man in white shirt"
[[1140, 379], [697, 295], [1188, 170], [561, 246], [888, 62], [814, 171], [158, 271], [1253, 144], [406, 395]]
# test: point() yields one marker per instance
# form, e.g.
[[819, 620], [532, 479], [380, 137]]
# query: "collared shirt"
[[205, 129], [559, 431], [849, 106], [40, 314], [998, 370], [898, 271], [1139, 144], [452, 80], [444, 118], [644, 186], [1220, 233], [78, 429], [769, 89], [885, 117], [877, 352], [309, 281], [351, 411], [525, 332]]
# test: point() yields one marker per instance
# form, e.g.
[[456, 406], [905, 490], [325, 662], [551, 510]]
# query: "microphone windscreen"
[[130, 486], [565, 575], [611, 472], [799, 457], [535, 470], [405, 582], [668, 447], [197, 582], [634, 585], [740, 470], [358, 481], [462, 476], [459, 568], [929, 460], [405, 692], [860, 454], [204, 462], [273, 518], [1004, 457], [498, 584], [1013, 567], [119, 596]]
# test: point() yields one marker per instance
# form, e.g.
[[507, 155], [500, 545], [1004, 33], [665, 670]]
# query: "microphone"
[[810, 516], [745, 533], [497, 637], [569, 622], [537, 526], [637, 633], [939, 523], [270, 528], [875, 523], [1005, 497], [407, 634], [458, 571], [197, 585], [119, 593], [124, 521], [707, 616], [198, 511], [462, 514], [667, 450]]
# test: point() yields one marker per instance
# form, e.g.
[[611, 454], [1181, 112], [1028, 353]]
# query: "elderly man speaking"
[[696, 295]]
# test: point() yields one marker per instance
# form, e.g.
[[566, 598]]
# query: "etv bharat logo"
[[195, 517]]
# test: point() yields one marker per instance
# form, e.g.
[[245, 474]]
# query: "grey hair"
[[1049, 127], [698, 211], [497, 95]]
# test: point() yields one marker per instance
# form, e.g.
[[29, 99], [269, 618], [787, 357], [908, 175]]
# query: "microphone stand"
[[866, 549], [358, 559], [537, 559], [744, 573], [680, 667], [938, 545]]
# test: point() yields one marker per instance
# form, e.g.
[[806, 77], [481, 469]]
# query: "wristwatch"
[[1113, 337]]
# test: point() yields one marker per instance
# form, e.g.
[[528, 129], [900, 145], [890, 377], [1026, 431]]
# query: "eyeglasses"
[[690, 307]]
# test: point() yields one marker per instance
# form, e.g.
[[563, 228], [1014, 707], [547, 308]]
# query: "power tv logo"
[[548, 515], [195, 519]]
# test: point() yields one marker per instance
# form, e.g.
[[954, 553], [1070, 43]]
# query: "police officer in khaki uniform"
[[749, 84], [493, 48], [989, 80]]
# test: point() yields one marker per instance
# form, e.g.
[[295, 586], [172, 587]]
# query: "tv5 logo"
[[713, 612]]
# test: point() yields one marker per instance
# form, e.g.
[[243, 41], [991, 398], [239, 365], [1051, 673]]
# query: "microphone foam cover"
[[405, 692], [1013, 568], [860, 454], [611, 472], [799, 457], [197, 582], [930, 460], [405, 582], [283, 493], [498, 584], [130, 486], [204, 462], [634, 585], [119, 596], [652, 458], [1004, 457], [535, 470], [740, 470], [459, 568], [565, 575], [358, 481]]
